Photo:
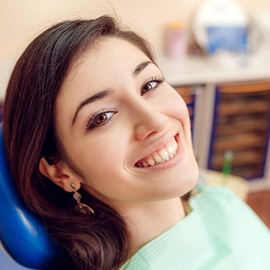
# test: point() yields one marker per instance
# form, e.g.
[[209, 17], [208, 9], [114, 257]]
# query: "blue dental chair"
[[22, 234]]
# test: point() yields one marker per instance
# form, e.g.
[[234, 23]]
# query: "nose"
[[148, 120]]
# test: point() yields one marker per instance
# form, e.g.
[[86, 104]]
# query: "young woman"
[[99, 146]]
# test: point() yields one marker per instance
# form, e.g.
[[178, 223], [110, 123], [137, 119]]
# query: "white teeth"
[[160, 156], [164, 154], [174, 145], [170, 149], [157, 158], [151, 161]]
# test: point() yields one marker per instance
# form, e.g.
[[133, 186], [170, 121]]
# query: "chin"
[[188, 181]]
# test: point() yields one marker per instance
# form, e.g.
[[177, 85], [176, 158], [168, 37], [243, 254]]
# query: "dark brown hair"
[[101, 242]]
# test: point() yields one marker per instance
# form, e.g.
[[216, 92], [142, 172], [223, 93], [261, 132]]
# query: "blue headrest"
[[22, 234]]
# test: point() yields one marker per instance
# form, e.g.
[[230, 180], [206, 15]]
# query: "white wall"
[[21, 20]]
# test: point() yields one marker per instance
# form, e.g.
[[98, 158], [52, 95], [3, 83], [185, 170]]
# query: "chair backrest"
[[21, 232]]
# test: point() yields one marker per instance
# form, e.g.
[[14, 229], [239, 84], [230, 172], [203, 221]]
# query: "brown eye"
[[100, 119], [149, 86]]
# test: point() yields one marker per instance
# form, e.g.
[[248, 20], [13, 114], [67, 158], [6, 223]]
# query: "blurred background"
[[216, 53], [20, 21]]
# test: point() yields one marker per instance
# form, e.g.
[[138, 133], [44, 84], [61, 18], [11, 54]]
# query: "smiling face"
[[124, 129]]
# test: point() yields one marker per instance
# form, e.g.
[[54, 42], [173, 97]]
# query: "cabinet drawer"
[[241, 125]]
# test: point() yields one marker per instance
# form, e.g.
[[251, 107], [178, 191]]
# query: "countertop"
[[216, 69]]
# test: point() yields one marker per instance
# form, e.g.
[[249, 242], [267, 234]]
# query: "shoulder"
[[220, 207], [217, 193], [217, 199], [233, 226], [222, 196]]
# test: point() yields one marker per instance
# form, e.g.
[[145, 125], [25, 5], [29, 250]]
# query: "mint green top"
[[221, 233]]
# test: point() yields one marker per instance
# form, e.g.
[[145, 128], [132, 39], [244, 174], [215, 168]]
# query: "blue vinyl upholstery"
[[22, 234]]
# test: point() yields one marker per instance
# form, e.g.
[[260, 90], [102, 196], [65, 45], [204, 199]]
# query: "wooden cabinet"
[[241, 125]]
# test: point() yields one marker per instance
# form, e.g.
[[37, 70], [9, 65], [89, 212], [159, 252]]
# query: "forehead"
[[110, 55]]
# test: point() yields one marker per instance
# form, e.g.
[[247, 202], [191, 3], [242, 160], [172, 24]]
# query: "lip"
[[177, 157]]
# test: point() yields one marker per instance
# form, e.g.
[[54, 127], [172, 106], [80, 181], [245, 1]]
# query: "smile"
[[160, 156]]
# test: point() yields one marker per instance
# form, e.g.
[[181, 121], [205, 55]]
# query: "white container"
[[221, 24]]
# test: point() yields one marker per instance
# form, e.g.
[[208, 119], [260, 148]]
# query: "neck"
[[149, 220]]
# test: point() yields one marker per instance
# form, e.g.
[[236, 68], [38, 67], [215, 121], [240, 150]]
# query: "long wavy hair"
[[100, 242]]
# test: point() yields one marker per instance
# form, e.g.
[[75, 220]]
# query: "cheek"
[[103, 169], [100, 159]]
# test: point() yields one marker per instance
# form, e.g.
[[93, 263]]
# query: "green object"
[[226, 166], [220, 233]]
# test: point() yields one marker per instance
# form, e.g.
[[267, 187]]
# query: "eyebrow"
[[141, 67], [105, 93], [91, 99]]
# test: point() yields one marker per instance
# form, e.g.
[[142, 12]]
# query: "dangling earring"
[[81, 208]]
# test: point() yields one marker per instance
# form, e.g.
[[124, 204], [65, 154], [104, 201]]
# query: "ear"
[[60, 174]]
